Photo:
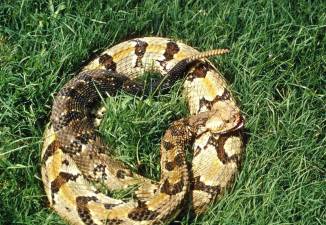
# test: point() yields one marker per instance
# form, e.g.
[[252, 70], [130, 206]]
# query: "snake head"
[[225, 118], [218, 121]]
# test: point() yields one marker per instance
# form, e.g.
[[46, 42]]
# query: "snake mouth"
[[240, 124]]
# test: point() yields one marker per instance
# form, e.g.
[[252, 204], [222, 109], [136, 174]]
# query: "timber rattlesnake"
[[73, 154]]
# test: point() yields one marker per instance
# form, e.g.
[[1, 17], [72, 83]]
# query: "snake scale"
[[74, 156]]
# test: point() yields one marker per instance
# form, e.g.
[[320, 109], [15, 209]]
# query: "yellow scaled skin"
[[214, 126]]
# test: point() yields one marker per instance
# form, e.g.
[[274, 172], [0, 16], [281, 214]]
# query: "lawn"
[[276, 69]]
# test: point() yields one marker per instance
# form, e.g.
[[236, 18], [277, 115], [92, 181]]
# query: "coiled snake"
[[74, 156]]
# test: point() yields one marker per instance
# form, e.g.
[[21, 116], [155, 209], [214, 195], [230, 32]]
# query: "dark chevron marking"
[[219, 143], [60, 180], [109, 206], [107, 61], [65, 162], [171, 189], [142, 213], [196, 184], [178, 161], [121, 174], [100, 168], [167, 145], [209, 104], [83, 210], [86, 137], [171, 49], [200, 71], [50, 150], [140, 49], [221, 154]]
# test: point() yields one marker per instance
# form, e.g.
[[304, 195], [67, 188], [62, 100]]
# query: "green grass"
[[276, 69]]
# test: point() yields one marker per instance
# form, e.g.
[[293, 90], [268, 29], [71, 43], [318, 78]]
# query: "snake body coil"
[[73, 154]]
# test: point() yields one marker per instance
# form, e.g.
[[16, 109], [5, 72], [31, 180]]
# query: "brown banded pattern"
[[140, 49], [74, 163], [107, 61]]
